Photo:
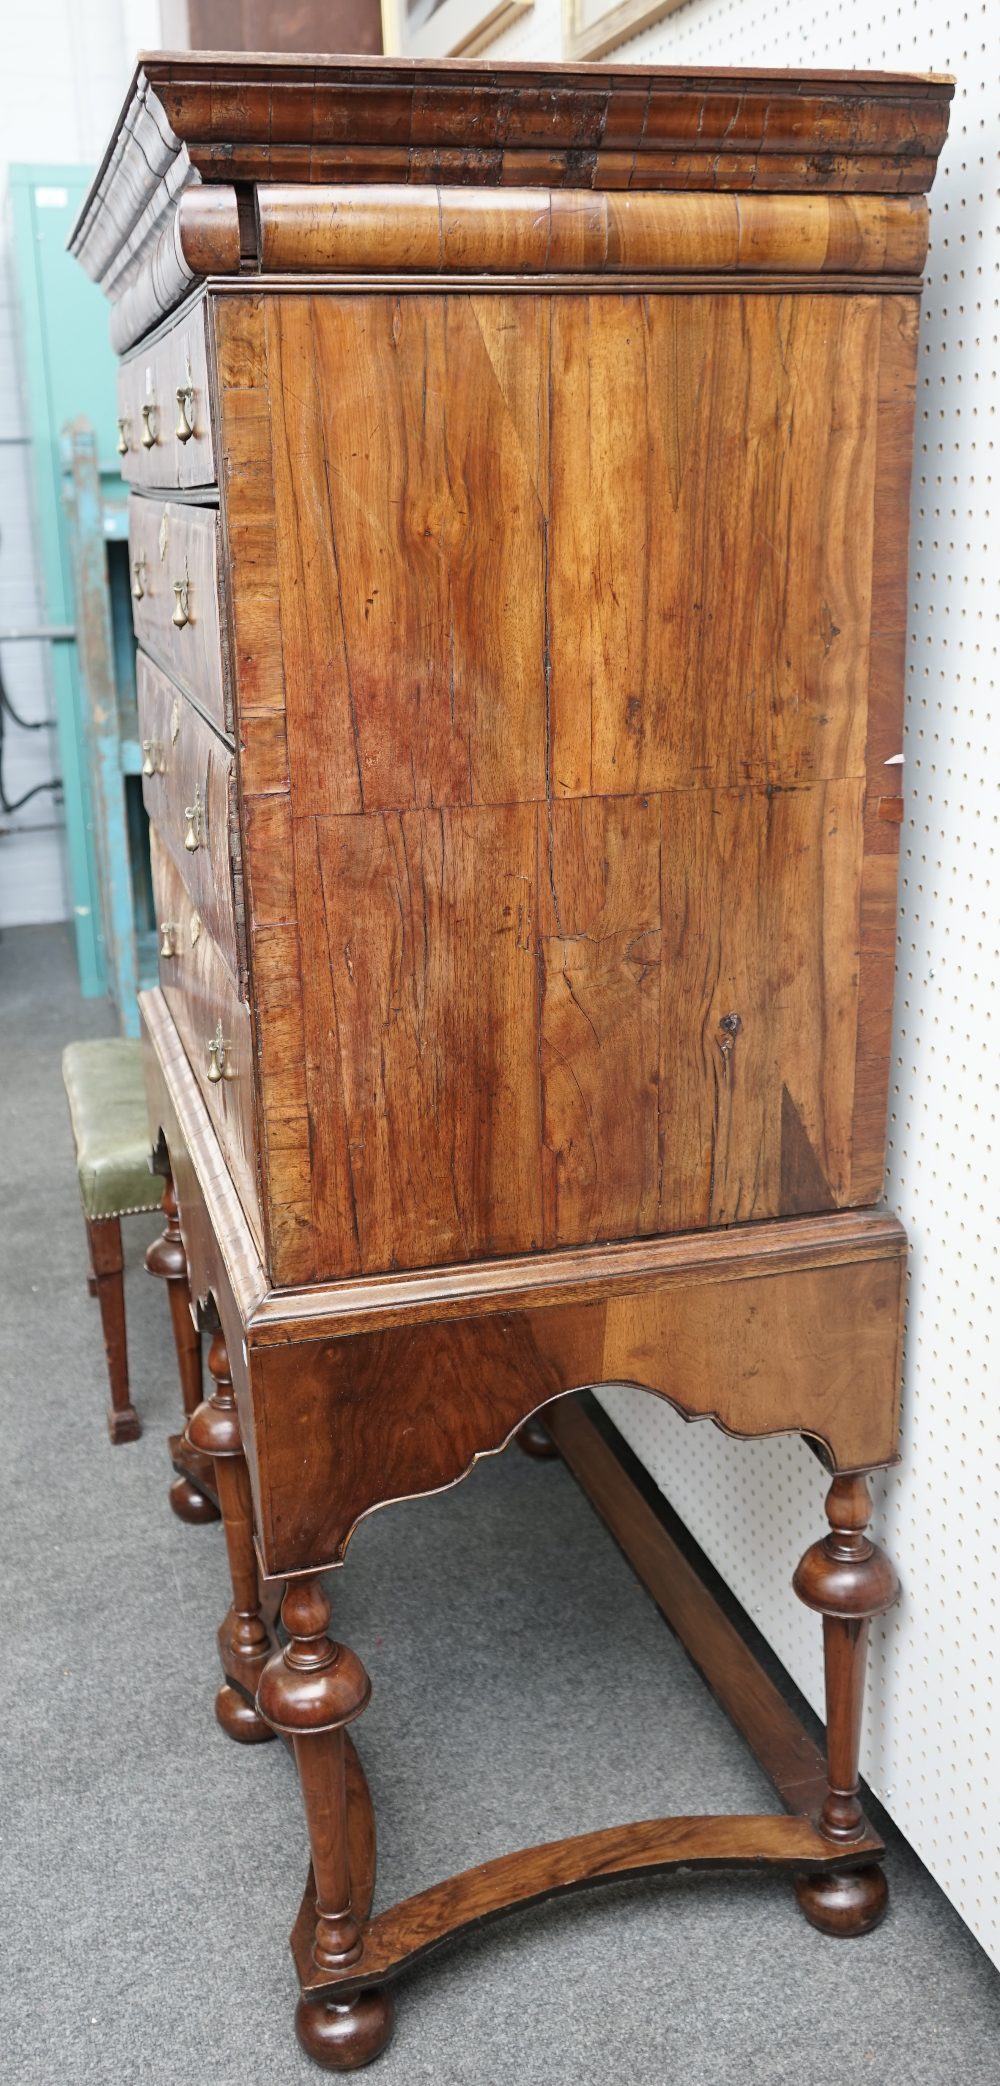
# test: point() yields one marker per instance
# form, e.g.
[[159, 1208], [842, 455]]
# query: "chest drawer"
[[164, 424], [174, 552], [213, 1025], [187, 787]]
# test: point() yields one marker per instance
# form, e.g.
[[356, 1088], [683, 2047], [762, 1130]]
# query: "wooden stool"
[[107, 1107], [117, 1173]]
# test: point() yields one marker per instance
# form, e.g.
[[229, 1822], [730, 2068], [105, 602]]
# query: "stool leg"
[[167, 1259], [310, 1690], [847, 1580], [215, 1431], [104, 1239], [533, 1437]]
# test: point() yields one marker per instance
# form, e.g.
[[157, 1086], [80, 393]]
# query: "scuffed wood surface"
[[223, 1258], [222, 120], [169, 541], [192, 763], [200, 237], [897, 386], [574, 877], [542, 231], [354, 1395], [407, 1410], [201, 994], [576, 1275], [152, 377], [405, 1933], [263, 118]]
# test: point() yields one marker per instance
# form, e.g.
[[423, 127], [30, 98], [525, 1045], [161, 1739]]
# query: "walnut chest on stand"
[[520, 462]]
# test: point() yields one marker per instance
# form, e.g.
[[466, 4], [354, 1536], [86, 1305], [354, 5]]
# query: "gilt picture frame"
[[591, 28], [446, 28]]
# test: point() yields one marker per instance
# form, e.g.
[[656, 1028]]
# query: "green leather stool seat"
[[107, 1106]]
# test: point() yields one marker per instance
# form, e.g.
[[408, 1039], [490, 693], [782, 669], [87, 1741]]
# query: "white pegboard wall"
[[931, 1744], [61, 85]]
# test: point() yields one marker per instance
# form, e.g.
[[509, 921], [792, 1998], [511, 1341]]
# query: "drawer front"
[[164, 422], [213, 1025], [175, 596], [187, 787]]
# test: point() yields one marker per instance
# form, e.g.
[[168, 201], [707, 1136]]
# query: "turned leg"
[[847, 1580], [107, 1283], [311, 1690], [534, 1438], [167, 1259], [214, 1430]]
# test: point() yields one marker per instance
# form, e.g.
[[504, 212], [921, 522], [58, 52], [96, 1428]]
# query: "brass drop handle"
[[122, 443], [169, 930], [139, 576], [194, 836], [217, 1057], [155, 761], [182, 606], [185, 412], [149, 436]]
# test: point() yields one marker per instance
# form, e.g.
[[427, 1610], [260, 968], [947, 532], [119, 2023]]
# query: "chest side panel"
[[560, 666]]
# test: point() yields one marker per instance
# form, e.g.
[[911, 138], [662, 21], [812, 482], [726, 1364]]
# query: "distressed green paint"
[[95, 652], [67, 366], [69, 375]]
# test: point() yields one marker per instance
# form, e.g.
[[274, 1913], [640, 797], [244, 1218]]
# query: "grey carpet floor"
[[524, 1687]]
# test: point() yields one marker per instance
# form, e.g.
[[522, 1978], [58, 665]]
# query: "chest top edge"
[[223, 164]]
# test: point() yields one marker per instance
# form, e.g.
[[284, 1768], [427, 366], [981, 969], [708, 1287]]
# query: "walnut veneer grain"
[[583, 880]]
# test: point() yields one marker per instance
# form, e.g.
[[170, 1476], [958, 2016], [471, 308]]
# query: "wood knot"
[[729, 1028]]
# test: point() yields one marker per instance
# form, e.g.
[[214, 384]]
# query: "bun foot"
[[843, 1902], [124, 1425], [534, 1440], [343, 2036], [191, 1505], [240, 1720]]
